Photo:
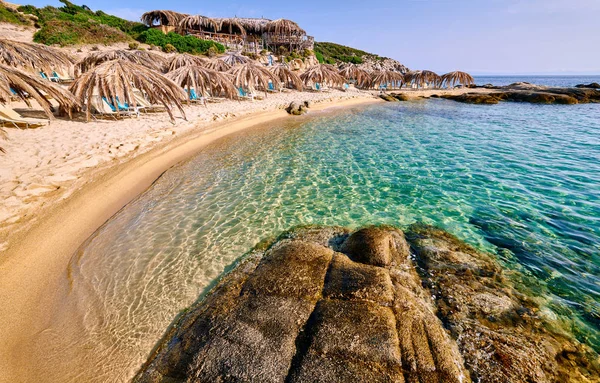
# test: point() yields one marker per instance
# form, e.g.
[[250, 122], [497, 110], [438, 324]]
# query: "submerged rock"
[[544, 96], [295, 108], [374, 305], [593, 85]]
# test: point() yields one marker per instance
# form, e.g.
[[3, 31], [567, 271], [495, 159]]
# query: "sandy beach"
[[66, 179]]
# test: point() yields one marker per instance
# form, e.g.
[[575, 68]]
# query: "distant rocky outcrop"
[[372, 64], [593, 85], [373, 305], [538, 96]]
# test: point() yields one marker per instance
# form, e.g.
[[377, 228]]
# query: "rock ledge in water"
[[374, 305]]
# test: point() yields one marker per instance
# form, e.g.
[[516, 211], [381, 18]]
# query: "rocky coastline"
[[374, 305], [518, 92]]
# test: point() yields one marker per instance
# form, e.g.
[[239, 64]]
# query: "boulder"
[[593, 85], [400, 96], [387, 97], [475, 98], [373, 305], [296, 109]]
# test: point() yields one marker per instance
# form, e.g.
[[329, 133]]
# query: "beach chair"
[[101, 107], [144, 105], [52, 78], [245, 95], [346, 87], [317, 86], [194, 97], [8, 117], [271, 88], [62, 77]]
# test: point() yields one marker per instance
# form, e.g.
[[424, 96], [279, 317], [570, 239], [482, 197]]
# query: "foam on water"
[[519, 180]]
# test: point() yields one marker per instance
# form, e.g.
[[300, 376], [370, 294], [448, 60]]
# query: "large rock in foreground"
[[327, 305]]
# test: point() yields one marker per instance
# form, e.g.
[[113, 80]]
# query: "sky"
[[478, 36]]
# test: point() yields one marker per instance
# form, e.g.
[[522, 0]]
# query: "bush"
[[319, 57], [63, 32], [74, 19], [332, 53], [168, 48], [212, 52], [133, 45], [182, 44], [9, 15]]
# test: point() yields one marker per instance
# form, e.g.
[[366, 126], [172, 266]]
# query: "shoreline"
[[34, 262]]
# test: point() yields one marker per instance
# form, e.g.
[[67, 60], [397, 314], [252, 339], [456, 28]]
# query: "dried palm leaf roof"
[[322, 74], [284, 27], [199, 22], [229, 25], [422, 77], [254, 26], [234, 59], [145, 58], [217, 64], [386, 77], [204, 81], [457, 77], [119, 78], [33, 57], [185, 59], [352, 72], [286, 75], [27, 85], [163, 17], [250, 75]]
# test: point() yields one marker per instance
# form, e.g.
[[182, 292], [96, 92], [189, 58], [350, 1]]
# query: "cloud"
[[132, 14]]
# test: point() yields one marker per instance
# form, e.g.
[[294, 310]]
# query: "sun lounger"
[[53, 78], [144, 105], [245, 95], [271, 88], [317, 86], [103, 108], [8, 117], [195, 98], [62, 77]]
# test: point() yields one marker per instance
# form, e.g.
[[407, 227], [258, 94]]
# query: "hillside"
[[331, 53]]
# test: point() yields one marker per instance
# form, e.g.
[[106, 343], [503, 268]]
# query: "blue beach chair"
[[245, 95], [194, 96]]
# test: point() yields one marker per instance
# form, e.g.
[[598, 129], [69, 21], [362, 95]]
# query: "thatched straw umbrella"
[[33, 57], [457, 77], [252, 25], [287, 76], [199, 22], [322, 74], [234, 59], [205, 81], [119, 78], [387, 77], [144, 58], [361, 77], [218, 65], [185, 59], [162, 17], [25, 85], [250, 75], [284, 27], [229, 25], [422, 77]]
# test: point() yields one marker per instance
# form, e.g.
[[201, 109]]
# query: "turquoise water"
[[558, 81], [521, 181]]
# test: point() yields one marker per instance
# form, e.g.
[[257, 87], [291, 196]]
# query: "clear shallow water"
[[519, 180], [558, 81]]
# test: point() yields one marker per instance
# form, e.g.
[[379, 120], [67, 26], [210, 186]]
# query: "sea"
[[520, 181]]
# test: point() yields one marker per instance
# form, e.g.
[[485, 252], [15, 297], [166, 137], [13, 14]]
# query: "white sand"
[[45, 165]]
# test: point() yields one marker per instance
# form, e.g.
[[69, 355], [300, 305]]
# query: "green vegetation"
[[8, 15], [176, 42], [73, 24], [330, 53]]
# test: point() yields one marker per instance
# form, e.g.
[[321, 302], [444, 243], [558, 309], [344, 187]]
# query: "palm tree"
[[322, 74], [250, 75], [205, 81], [457, 77], [33, 57], [144, 58], [119, 78], [387, 77], [361, 77], [16, 83], [287, 76], [185, 59]]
